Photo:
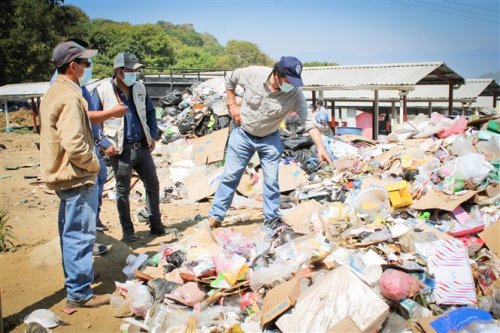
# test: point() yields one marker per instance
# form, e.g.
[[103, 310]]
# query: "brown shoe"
[[213, 223], [93, 302]]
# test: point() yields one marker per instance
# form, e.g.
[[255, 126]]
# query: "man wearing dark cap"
[[69, 166], [269, 96], [132, 138]]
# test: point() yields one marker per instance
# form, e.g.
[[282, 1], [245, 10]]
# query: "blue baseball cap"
[[292, 68]]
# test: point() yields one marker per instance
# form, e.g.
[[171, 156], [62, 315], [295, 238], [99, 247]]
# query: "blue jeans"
[[240, 150], [77, 216]]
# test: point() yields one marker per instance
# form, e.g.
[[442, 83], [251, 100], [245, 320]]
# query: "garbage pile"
[[400, 235]]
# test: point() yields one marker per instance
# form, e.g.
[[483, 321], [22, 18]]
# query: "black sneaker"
[[159, 230], [129, 238], [99, 226]]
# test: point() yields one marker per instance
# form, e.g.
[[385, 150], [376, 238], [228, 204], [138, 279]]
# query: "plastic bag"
[[459, 319], [160, 287], [457, 128], [396, 285], [140, 299], [469, 166]]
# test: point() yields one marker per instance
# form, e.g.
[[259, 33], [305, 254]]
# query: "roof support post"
[[34, 113], [332, 121], [393, 114], [450, 99], [375, 116], [430, 108], [314, 99], [402, 105], [7, 121], [495, 100]]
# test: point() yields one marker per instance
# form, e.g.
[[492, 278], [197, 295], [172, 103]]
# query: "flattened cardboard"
[[438, 200], [246, 186], [354, 137], [298, 217], [347, 325], [200, 186], [291, 177], [210, 148], [279, 299], [491, 237], [424, 324]]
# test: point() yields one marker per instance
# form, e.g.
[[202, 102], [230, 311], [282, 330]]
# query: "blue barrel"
[[348, 130]]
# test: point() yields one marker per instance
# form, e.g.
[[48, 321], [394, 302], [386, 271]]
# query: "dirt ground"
[[31, 276]]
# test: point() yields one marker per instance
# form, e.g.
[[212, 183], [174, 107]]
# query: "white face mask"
[[86, 76], [286, 87]]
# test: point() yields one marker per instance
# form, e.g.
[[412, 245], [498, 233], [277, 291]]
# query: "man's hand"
[[323, 156], [110, 151], [152, 145], [234, 110], [118, 110]]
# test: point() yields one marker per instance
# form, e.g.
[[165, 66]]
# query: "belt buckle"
[[137, 145]]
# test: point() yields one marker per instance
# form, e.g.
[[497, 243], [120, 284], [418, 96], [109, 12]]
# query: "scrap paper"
[[448, 260]]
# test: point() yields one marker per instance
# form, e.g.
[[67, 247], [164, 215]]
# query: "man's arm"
[[231, 83], [311, 127], [151, 121], [97, 115], [72, 137]]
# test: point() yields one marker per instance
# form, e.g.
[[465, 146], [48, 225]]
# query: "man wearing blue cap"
[[269, 96], [69, 166]]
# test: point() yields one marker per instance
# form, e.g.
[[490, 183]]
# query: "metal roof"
[[402, 76], [468, 92], [23, 90]]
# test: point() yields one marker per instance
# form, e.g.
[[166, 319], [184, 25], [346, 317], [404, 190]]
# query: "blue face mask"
[[129, 78], [286, 87], [85, 78]]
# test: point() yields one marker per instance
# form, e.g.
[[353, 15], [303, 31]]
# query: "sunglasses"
[[85, 62]]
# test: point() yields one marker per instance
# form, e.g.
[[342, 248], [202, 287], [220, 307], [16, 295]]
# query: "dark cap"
[[127, 60], [292, 68], [68, 51]]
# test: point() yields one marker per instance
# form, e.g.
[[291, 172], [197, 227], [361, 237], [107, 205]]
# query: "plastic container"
[[373, 201], [348, 130]]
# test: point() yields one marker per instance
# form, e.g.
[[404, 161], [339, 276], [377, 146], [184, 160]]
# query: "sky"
[[465, 34]]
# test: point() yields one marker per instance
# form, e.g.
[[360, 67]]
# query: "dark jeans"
[[141, 161]]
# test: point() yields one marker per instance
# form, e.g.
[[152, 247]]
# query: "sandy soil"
[[31, 277]]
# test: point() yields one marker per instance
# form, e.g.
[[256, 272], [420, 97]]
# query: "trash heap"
[[399, 235]]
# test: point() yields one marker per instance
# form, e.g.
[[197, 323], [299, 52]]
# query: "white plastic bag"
[[140, 299], [469, 166]]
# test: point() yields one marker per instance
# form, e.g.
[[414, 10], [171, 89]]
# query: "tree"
[[194, 57], [30, 31], [148, 42], [241, 54], [319, 64]]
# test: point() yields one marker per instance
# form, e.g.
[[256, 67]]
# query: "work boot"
[[213, 223], [160, 230], [93, 302], [99, 226]]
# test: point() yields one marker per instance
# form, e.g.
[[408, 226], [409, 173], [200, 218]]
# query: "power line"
[[473, 6], [426, 6]]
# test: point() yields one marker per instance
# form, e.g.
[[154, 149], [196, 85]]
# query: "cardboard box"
[[399, 194], [298, 218], [435, 199], [491, 237], [200, 186], [279, 299], [347, 325], [291, 177], [210, 148]]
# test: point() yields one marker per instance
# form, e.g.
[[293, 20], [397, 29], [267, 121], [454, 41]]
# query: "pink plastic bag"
[[457, 128], [396, 285]]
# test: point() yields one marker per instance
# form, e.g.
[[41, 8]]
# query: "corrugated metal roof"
[[23, 90], [468, 92], [382, 76]]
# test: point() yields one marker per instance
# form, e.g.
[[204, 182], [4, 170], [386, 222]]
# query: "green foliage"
[[29, 31], [194, 57], [241, 54], [5, 231], [319, 64], [148, 42]]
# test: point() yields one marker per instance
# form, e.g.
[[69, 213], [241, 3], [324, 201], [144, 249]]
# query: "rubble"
[[395, 235]]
